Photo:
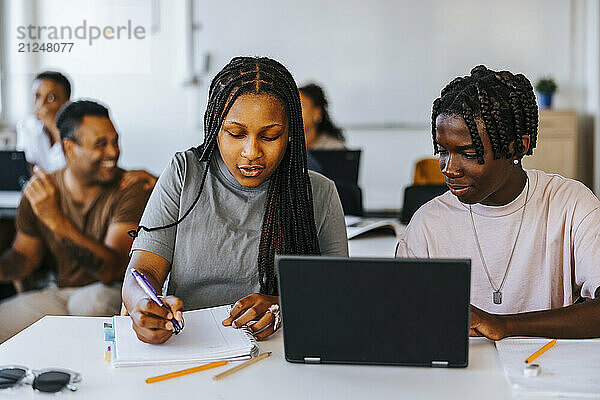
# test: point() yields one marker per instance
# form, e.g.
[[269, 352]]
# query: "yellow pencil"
[[185, 372], [243, 365], [541, 351]]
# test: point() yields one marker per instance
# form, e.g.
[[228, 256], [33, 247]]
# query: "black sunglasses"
[[49, 380]]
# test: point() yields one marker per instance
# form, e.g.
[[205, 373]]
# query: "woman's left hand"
[[254, 307]]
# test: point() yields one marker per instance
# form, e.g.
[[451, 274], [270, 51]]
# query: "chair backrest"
[[342, 166], [351, 198], [427, 172], [417, 195]]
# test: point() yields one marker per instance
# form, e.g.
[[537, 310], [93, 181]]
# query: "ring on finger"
[[274, 309]]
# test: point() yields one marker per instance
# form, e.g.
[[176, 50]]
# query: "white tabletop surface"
[[9, 199], [77, 343], [373, 244]]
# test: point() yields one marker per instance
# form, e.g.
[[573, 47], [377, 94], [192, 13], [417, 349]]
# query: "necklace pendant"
[[497, 297]]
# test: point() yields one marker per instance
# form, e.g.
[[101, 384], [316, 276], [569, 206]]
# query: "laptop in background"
[[388, 311], [338, 165], [14, 174]]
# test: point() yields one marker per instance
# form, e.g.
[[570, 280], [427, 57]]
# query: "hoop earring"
[[516, 162]]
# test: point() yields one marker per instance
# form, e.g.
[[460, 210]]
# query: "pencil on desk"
[[541, 351], [241, 366], [185, 372]]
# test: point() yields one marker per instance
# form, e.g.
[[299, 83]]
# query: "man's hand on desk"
[[254, 307], [43, 197], [489, 325], [151, 322]]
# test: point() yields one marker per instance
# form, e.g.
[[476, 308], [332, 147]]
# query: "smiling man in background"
[[80, 215]]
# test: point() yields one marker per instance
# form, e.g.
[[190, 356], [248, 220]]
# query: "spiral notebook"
[[203, 339]]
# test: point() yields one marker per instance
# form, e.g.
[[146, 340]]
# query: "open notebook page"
[[569, 369], [204, 338]]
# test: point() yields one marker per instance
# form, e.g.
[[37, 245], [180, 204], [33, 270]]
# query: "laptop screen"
[[375, 311], [14, 170]]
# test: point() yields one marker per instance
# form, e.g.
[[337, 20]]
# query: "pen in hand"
[[151, 292]]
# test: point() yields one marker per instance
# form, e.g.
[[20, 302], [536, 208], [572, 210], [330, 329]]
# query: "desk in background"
[[373, 244], [9, 202]]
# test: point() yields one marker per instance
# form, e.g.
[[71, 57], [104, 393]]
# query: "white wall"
[[155, 113], [387, 162], [381, 62]]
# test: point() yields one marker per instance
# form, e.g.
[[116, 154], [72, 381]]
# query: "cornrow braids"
[[288, 225], [503, 102]]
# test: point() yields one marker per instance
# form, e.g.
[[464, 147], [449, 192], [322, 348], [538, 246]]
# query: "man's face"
[[468, 180], [94, 158], [48, 98], [253, 138]]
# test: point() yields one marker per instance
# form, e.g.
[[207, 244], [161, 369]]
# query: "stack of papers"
[[569, 369], [356, 226]]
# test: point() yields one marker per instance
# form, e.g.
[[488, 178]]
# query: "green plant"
[[546, 85]]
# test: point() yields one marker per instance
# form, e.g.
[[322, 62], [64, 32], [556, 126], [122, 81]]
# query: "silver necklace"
[[497, 294]]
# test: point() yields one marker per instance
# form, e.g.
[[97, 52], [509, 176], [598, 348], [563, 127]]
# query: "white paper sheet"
[[571, 368]]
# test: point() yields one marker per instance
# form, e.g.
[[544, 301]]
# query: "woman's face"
[[492, 183], [254, 137], [311, 114]]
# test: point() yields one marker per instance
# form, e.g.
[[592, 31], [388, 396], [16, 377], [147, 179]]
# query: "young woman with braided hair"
[[532, 237], [221, 211], [320, 131]]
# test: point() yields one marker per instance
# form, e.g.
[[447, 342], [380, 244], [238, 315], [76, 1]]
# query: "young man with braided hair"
[[221, 211], [532, 237]]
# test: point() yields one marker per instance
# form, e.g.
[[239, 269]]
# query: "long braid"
[[288, 225], [503, 102]]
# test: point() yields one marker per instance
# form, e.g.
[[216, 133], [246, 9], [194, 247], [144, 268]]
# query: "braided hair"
[[504, 102], [317, 96], [288, 225]]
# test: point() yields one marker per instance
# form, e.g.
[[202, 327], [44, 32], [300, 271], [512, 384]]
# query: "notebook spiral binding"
[[248, 333]]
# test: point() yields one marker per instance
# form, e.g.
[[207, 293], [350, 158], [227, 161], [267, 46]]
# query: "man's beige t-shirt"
[[111, 205], [557, 255]]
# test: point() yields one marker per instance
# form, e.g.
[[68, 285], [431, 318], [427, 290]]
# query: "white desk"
[[9, 202], [77, 343], [373, 245]]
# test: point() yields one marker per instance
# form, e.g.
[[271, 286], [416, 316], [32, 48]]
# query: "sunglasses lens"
[[51, 382], [10, 376]]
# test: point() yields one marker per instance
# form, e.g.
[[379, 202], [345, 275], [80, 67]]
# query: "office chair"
[[427, 172], [417, 195]]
